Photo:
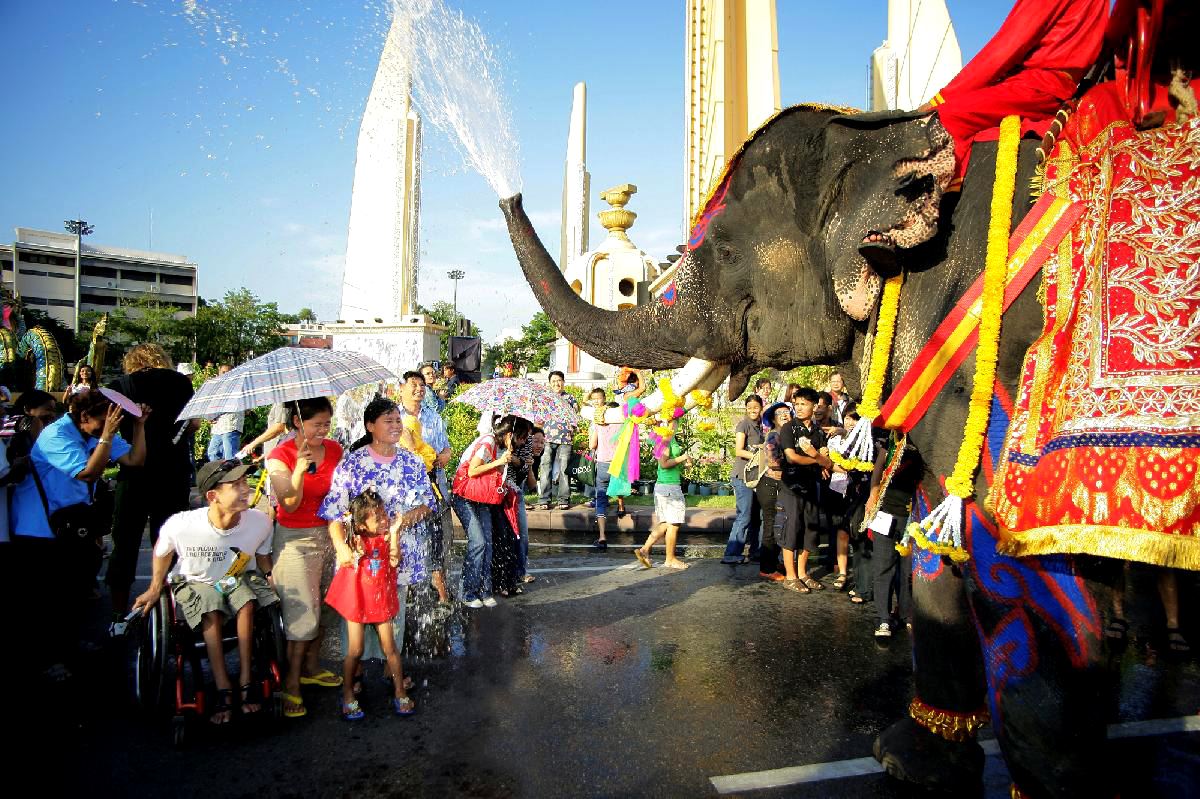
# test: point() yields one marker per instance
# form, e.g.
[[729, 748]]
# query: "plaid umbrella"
[[287, 374], [525, 398]]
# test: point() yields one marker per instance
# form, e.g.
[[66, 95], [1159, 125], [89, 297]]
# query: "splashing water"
[[456, 83]]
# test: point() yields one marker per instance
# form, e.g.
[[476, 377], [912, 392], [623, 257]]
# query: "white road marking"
[[861, 766]]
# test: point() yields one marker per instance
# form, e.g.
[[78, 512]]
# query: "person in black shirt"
[[159, 488], [806, 459], [892, 572]]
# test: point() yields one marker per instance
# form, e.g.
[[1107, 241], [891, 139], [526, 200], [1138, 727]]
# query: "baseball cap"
[[213, 473]]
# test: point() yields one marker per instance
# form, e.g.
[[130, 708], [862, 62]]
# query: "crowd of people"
[[346, 527], [782, 465]]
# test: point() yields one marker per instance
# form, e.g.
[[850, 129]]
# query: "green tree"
[[235, 328], [306, 315], [442, 313], [529, 353]]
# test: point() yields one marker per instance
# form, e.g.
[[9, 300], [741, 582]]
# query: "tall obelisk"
[[918, 58], [380, 279], [573, 235], [731, 86]]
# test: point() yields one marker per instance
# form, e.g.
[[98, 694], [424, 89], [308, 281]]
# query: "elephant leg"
[[935, 744], [1040, 629]]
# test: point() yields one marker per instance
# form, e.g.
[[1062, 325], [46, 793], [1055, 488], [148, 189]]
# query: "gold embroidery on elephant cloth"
[[1122, 543], [949, 725], [1102, 458], [1158, 233]]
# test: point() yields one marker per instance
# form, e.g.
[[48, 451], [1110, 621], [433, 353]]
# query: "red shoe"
[[774, 577]]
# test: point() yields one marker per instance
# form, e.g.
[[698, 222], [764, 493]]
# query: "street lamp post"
[[80, 229], [456, 275]]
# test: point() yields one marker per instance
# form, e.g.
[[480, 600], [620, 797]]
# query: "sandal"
[[298, 710], [643, 559], [528, 578], [856, 599], [1176, 642], [797, 586], [403, 705], [1117, 631], [840, 582], [810, 583], [223, 707], [352, 711], [246, 700], [324, 678]]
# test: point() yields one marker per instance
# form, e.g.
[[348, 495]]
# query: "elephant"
[[784, 268]]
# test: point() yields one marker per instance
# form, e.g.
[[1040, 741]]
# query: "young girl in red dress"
[[365, 593]]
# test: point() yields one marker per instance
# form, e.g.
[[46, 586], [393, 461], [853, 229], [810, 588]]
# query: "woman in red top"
[[301, 469]]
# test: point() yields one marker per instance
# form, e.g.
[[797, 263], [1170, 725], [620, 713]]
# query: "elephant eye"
[[725, 253]]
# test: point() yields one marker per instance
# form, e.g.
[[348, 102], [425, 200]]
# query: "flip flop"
[[676, 566], [224, 705], [324, 678], [642, 559], [352, 711], [297, 702], [403, 705]]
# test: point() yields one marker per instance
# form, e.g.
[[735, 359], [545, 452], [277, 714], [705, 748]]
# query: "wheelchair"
[[168, 673]]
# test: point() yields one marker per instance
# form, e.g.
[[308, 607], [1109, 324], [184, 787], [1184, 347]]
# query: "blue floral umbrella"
[[285, 375]]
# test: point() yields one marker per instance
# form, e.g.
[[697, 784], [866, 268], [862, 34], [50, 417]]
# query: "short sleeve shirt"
[[670, 476], [754, 437], [205, 552], [61, 452], [803, 478], [559, 433], [316, 486], [401, 482]]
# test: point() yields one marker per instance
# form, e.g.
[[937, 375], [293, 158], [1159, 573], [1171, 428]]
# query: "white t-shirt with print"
[[205, 553]]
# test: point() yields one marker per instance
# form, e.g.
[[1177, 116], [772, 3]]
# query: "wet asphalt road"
[[601, 680]]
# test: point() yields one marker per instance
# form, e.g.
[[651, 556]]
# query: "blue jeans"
[[523, 544], [476, 519], [554, 461], [602, 477], [224, 446], [745, 524]]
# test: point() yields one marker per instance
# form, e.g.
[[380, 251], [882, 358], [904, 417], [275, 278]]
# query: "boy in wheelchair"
[[213, 578]]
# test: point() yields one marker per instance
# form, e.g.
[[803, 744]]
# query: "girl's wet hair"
[[93, 403], [308, 408], [754, 398], [363, 506], [375, 408], [511, 424]]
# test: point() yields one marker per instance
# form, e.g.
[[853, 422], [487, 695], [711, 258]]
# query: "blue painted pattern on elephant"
[[925, 565], [1045, 591]]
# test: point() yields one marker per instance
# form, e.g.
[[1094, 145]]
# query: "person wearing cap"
[[223, 570]]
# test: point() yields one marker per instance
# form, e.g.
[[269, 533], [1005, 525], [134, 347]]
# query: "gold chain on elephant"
[[941, 531], [948, 724]]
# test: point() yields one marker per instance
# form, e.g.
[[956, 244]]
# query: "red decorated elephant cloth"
[[1102, 453]]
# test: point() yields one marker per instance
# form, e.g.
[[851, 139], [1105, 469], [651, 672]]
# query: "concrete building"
[[918, 58], [39, 267], [731, 87]]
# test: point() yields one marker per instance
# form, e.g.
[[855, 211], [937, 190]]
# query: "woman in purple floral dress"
[[378, 461]]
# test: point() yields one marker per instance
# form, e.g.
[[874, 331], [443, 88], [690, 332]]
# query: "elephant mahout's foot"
[[911, 753]]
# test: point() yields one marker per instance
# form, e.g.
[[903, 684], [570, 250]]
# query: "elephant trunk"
[[628, 338]]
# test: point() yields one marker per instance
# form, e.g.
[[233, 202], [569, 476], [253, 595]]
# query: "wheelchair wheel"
[[178, 730], [153, 656], [272, 643]]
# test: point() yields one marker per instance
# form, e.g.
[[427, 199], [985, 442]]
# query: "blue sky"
[[244, 152]]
